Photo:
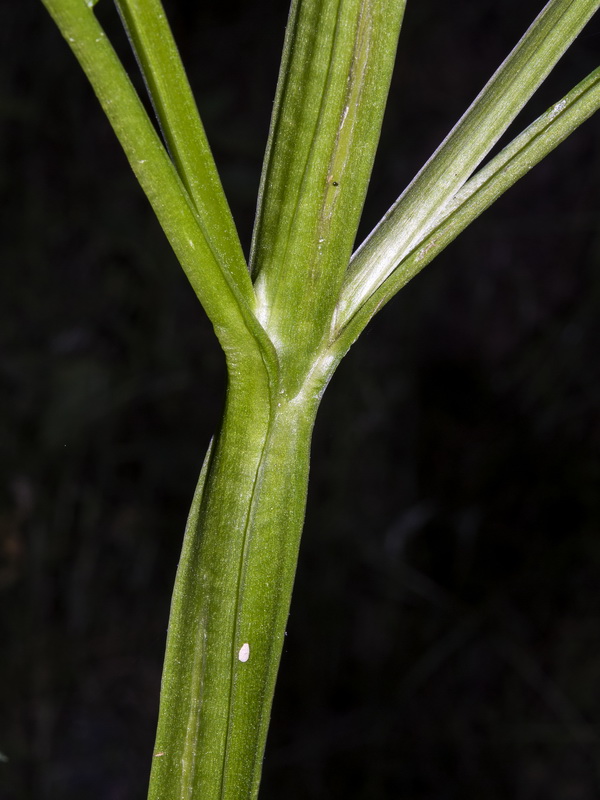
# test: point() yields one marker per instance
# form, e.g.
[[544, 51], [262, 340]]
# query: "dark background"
[[444, 640]]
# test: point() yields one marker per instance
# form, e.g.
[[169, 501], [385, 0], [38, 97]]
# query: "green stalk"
[[284, 335], [467, 144], [478, 194], [232, 597], [335, 75], [226, 295], [234, 584], [152, 41]]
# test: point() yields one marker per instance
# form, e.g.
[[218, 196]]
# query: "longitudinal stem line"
[[242, 569]]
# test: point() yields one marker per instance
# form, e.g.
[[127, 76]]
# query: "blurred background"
[[444, 638]]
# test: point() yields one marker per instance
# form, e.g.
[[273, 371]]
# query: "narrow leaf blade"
[[152, 41], [462, 151], [511, 164]]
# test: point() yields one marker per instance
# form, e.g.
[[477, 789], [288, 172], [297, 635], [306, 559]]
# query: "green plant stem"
[[233, 589], [336, 70], [228, 303], [474, 135], [152, 41], [284, 334], [478, 194]]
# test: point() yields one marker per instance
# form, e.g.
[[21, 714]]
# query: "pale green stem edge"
[[497, 105], [478, 194]]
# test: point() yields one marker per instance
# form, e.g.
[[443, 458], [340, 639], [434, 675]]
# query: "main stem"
[[232, 596]]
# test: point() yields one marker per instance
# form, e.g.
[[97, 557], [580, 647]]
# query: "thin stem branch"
[[228, 309], [160, 63], [462, 151], [511, 164]]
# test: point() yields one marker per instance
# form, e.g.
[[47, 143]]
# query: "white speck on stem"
[[558, 108], [192, 245], [244, 653]]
